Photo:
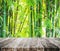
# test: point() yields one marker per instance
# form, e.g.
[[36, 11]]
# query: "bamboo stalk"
[[4, 18]]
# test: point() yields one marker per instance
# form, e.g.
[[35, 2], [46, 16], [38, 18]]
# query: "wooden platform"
[[29, 44]]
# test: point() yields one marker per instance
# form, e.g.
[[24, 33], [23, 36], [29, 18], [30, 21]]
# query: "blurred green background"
[[30, 18]]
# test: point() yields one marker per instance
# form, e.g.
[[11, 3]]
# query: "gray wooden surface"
[[29, 44]]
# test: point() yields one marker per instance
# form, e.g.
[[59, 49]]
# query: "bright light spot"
[[44, 31], [12, 6]]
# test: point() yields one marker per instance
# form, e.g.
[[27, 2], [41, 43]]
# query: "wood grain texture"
[[30, 44]]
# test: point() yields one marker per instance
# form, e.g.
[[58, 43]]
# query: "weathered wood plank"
[[55, 41], [13, 44], [51, 46], [4, 42], [2, 39]]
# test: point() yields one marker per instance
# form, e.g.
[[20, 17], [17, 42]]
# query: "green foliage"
[[48, 23], [31, 2], [34, 18]]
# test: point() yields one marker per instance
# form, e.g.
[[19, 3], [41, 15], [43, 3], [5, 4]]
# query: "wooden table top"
[[29, 44]]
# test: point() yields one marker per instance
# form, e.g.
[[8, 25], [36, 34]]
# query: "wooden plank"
[[33, 44], [13, 43], [5, 41], [39, 45], [52, 47], [48, 46], [22, 45], [1, 39], [56, 42]]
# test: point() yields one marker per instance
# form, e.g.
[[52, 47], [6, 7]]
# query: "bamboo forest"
[[30, 18]]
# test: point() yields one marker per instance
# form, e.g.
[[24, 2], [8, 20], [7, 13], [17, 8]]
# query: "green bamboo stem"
[[31, 24], [4, 18], [38, 29]]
